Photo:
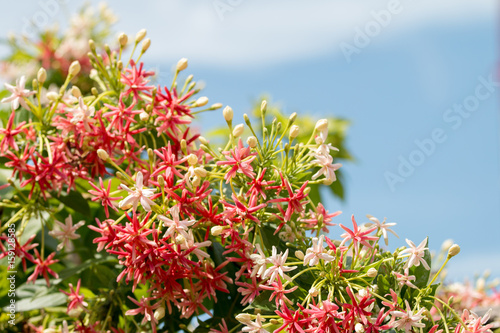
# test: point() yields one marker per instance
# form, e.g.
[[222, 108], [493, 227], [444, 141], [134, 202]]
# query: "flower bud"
[[161, 181], [238, 130], [321, 125], [327, 181], [182, 64], [217, 230], [123, 39], [299, 254], [292, 117], [359, 328], [203, 140], [216, 106], [52, 96], [184, 146], [192, 159], [453, 250], [200, 172], [263, 107], [372, 272], [140, 35], [252, 141], [146, 44], [244, 318], [228, 113], [313, 291], [196, 181], [144, 116], [75, 91], [103, 155], [42, 75], [92, 45], [294, 131], [159, 313], [74, 68], [201, 101]]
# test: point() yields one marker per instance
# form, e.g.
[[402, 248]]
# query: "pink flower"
[[324, 215], [249, 291], [18, 94], [76, 301], [416, 254], [65, 232], [145, 309], [327, 168], [140, 194], [408, 319], [240, 158], [175, 224], [242, 211], [405, 279], [278, 291], [317, 252], [357, 235], [82, 113]]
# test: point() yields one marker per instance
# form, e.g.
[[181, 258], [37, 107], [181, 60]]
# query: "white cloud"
[[256, 33]]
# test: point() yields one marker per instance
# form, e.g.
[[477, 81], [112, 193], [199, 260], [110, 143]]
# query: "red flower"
[[104, 195], [19, 251], [258, 185], [8, 140], [294, 199], [42, 267]]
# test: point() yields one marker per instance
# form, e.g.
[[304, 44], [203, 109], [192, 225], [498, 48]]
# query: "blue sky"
[[397, 89]]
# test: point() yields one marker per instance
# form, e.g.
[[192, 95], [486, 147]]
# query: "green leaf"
[[69, 272], [75, 201], [41, 302], [421, 273]]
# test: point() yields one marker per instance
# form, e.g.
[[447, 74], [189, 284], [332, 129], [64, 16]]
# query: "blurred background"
[[416, 79]]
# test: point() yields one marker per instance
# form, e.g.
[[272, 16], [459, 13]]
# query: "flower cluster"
[[235, 236]]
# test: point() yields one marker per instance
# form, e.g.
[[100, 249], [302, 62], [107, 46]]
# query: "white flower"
[[140, 194], [417, 254], [18, 94], [253, 326], [408, 319], [327, 168], [175, 224], [190, 243], [259, 260], [382, 226], [278, 262], [64, 232], [82, 113], [287, 235], [316, 252]]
